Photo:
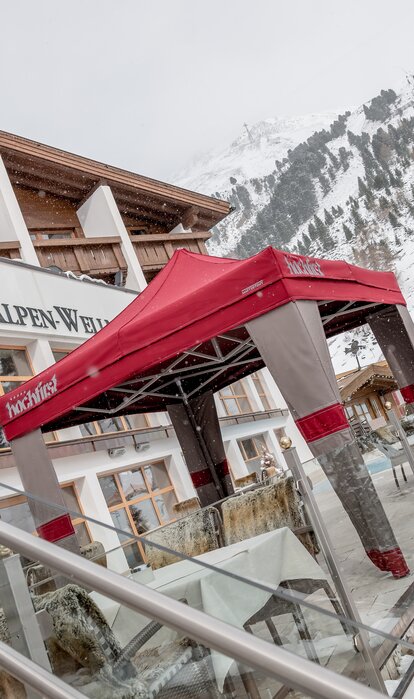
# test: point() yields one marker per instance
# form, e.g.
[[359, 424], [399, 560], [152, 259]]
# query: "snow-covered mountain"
[[252, 154], [346, 191]]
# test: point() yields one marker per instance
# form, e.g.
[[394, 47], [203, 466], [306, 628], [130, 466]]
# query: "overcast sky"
[[148, 84]]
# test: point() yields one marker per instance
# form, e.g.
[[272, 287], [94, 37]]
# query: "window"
[[16, 511], [110, 424], [251, 450], [52, 234], [80, 525], [234, 399], [15, 369], [139, 499], [261, 389], [374, 405], [362, 410]]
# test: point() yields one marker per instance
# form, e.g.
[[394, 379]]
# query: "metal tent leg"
[[39, 478]]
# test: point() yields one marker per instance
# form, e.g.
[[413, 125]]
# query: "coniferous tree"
[[324, 182], [306, 242], [347, 231], [328, 218], [380, 180], [344, 157], [393, 219], [312, 231], [362, 188], [320, 227], [301, 248]]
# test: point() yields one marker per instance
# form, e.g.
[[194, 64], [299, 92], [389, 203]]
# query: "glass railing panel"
[[383, 601], [269, 585]]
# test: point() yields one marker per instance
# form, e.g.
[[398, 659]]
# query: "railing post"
[[24, 630], [395, 421]]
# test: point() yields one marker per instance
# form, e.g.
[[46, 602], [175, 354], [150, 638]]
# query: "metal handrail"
[[35, 676], [274, 661]]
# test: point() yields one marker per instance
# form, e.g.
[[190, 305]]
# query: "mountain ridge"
[[346, 191]]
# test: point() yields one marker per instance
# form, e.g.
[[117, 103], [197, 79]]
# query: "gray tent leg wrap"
[[394, 332], [198, 431], [353, 484], [292, 342], [39, 479]]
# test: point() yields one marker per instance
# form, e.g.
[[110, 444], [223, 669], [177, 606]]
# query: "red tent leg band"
[[201, 478], [408, 393], [57, 529], [391, 561], [323, 422]]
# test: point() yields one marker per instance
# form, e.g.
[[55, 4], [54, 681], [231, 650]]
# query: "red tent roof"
[[193, 299]]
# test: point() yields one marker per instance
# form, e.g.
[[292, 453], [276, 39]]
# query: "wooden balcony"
[[154, 250], [102, 257], [129, 438], [97, 257], [10, 250]]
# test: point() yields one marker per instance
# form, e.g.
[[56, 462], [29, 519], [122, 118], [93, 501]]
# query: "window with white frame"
[[261, 389], [15, 369], [252, 450], [235, 399]]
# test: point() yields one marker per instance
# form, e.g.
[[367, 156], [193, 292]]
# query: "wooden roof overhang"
[[373, 378], [38, 166]]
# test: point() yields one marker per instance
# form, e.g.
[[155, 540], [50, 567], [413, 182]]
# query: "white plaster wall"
[[235, 458], [39, 289], [41, 357], [99, 217], [12, 225]]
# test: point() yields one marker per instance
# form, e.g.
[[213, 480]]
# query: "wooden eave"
[[374, 376], [37, 166]]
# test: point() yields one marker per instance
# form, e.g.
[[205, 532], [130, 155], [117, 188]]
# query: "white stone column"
[[99, 217], [12, 224], [234, 457]]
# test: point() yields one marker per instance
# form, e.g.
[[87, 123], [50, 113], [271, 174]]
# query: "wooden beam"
[[162, 191], [170, 237], [49, 187], [190, 217], [76, 242]]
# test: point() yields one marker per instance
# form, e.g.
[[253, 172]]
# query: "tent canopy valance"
[[185, 334]]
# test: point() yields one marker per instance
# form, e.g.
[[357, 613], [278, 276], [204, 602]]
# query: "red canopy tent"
[[202, 323]]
